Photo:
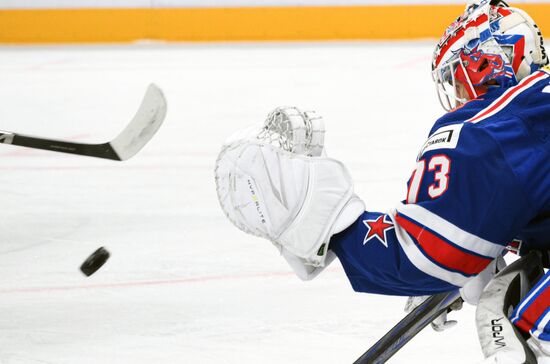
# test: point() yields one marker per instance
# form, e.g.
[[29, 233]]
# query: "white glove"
[[541, 349], [294, 200], [471, 292], [440, 323]]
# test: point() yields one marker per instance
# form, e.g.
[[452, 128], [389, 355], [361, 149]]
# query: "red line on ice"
[[152, 282]]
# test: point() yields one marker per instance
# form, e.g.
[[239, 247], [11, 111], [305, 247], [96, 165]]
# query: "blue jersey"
[[482, 179]]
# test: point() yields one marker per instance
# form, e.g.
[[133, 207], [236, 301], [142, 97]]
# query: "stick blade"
[[143, 126]]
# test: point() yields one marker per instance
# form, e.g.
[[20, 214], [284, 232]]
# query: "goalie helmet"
[[490, 45]]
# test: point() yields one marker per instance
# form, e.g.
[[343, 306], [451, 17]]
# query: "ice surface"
[[183, 285]]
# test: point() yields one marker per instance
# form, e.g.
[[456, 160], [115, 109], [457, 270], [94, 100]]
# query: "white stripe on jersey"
[[420, 261], [451, 232], [528, 300], [508, 96], [542, 324]]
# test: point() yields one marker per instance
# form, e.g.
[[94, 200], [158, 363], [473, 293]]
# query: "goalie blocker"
[[501, 341]]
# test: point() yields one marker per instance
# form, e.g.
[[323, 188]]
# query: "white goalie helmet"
[[489, 45]]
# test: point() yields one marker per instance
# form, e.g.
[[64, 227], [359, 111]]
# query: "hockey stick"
[[409, 326], [137, 133]]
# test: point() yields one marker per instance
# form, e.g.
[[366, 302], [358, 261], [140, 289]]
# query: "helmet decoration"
[[489, 45]]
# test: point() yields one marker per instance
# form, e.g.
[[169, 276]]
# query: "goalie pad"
[[501, 341], [271, 185]]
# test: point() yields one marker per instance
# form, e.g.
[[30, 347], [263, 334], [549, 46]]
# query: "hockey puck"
[[95, 261]]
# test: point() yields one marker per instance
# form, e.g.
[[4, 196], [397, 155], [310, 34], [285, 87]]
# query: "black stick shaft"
[[408, 327], [92, 150]]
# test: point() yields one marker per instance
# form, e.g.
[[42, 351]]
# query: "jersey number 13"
[[440, 165]]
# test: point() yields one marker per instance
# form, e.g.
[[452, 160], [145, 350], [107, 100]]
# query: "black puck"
[[95, 261]]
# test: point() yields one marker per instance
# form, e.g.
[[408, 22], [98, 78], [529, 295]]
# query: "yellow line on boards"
[[235, 24]]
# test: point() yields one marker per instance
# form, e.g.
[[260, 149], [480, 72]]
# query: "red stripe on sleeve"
[[442, 252], [534, 311]]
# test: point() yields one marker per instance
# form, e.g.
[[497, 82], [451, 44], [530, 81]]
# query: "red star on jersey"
[[377, 229]]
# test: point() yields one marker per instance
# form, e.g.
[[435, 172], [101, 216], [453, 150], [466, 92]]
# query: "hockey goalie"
[[482, 179]]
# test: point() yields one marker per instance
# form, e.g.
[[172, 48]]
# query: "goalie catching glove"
[[274, 181]]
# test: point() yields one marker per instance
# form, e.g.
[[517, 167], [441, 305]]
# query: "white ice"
[[183, 285]]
